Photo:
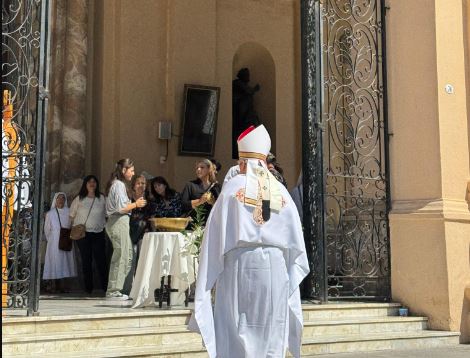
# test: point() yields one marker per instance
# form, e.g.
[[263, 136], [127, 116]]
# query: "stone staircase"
[[329, 328]]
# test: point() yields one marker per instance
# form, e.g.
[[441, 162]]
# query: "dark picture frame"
[[199, 122]]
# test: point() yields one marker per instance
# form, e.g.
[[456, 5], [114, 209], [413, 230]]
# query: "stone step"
[[335, 327], [176, 317], [139, 319], [312, 346], [379, 341], [311, 329], [363, 326], [333, 311], [11, 332], [103, 339], [170, 351]]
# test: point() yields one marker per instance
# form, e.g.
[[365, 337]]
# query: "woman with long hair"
[[166, 201], [203, 191], [58, 264], [118, 209], [88, 209], [138, 225], [139, 216]]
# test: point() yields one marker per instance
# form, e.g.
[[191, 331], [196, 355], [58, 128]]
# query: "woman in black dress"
[[203, 191]]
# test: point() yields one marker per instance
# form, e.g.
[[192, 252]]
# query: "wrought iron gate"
[[24, 67], [345, 149]]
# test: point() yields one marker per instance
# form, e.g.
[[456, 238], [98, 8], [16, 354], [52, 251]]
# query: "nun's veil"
[[54, 199]]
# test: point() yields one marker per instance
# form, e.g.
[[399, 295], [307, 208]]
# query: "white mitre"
[[254, 145]]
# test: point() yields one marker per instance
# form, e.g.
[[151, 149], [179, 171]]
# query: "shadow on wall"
[[262, 69]]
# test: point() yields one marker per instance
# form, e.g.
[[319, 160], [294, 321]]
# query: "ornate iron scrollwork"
[[21, 123], [347, 84]]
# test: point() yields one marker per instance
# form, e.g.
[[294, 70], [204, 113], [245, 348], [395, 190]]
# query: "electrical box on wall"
[[164, 130]]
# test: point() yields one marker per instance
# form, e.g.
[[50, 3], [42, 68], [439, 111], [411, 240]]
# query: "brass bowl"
[[169, 224]]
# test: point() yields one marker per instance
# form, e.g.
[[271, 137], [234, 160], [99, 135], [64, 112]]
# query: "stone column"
[[429, 152], [66, 128]]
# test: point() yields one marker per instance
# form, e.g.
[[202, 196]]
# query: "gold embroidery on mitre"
[[251, 155]]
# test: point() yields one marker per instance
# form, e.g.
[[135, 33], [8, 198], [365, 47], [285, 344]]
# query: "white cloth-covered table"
[[162, 254]]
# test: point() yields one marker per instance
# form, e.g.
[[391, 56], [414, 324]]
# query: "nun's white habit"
[[58, 264]]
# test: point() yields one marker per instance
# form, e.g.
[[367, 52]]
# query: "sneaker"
[[117, 296]]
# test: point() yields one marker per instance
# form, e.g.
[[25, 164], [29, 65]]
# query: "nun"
[[58, 264]]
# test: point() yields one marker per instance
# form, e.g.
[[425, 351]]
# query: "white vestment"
[[257, 267], [232, 172]]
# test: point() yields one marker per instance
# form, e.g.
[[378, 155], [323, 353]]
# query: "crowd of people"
[[119, 217]]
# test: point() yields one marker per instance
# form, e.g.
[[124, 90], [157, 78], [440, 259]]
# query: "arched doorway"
[[257, 59]]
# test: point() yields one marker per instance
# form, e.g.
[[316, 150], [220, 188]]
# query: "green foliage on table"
[[195, 235]]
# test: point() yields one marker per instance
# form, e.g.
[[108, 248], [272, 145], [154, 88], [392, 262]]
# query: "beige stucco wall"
[[129, 87], [412, 99], [420, 280], [429, 161], [466, 26], [140, 68]]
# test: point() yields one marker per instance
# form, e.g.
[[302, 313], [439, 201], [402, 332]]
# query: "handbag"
[[65, 243], [78, 231]]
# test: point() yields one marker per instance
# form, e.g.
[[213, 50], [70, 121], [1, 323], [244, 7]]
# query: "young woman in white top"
[[118, 208], [58, 264], [88, 208]]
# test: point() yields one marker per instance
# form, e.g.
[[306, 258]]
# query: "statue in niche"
[[243, 112]]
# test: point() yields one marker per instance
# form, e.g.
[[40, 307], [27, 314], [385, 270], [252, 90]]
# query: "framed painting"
[[199, 123]]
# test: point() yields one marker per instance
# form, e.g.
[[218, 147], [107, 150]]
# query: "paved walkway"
[[461, 351]]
